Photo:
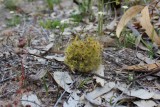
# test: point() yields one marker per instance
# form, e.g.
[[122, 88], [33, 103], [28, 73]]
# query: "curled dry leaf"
[[100, 71], [145, 58], [27, 100], [144, 103], [156, 96], [146, 24], [141, 93], [73, 100], [64, 80], [48, 47], [94, 97], [40, 74], [128, 15]]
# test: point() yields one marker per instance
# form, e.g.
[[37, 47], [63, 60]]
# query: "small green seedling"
[[85, 6], [127, 39], [76, 18], [45, 85], [150, 51], [83, 83], [50, 24], [53, 24], [130, 77]]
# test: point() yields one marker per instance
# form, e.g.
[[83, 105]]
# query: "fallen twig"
[[150, 73], [52, 60], [101, 76]]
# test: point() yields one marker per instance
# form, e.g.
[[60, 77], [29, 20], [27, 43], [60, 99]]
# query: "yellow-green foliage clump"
[[83, 55]]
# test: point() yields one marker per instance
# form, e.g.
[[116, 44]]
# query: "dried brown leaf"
[[145, 67], [128, 15], [146, 24]]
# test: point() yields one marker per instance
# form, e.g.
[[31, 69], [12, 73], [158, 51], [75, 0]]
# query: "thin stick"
[[101, 76], [52, 60], [150, 73]]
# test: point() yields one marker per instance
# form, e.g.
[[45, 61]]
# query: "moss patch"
[[83, 55]]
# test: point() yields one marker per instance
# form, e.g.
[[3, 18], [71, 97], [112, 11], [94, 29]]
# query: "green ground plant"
[[85, 8], [83, 83], [127, 40], [150, 51], [14, 21], [76, 18], [45, 85], [51, 3], [83, 55], [53, 24], [10, 4]]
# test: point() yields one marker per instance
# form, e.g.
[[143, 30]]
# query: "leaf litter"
[[117, 82]]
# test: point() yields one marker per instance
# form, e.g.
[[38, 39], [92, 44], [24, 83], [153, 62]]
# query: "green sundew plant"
[[83, 55], [128, 39], [14, 21]]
